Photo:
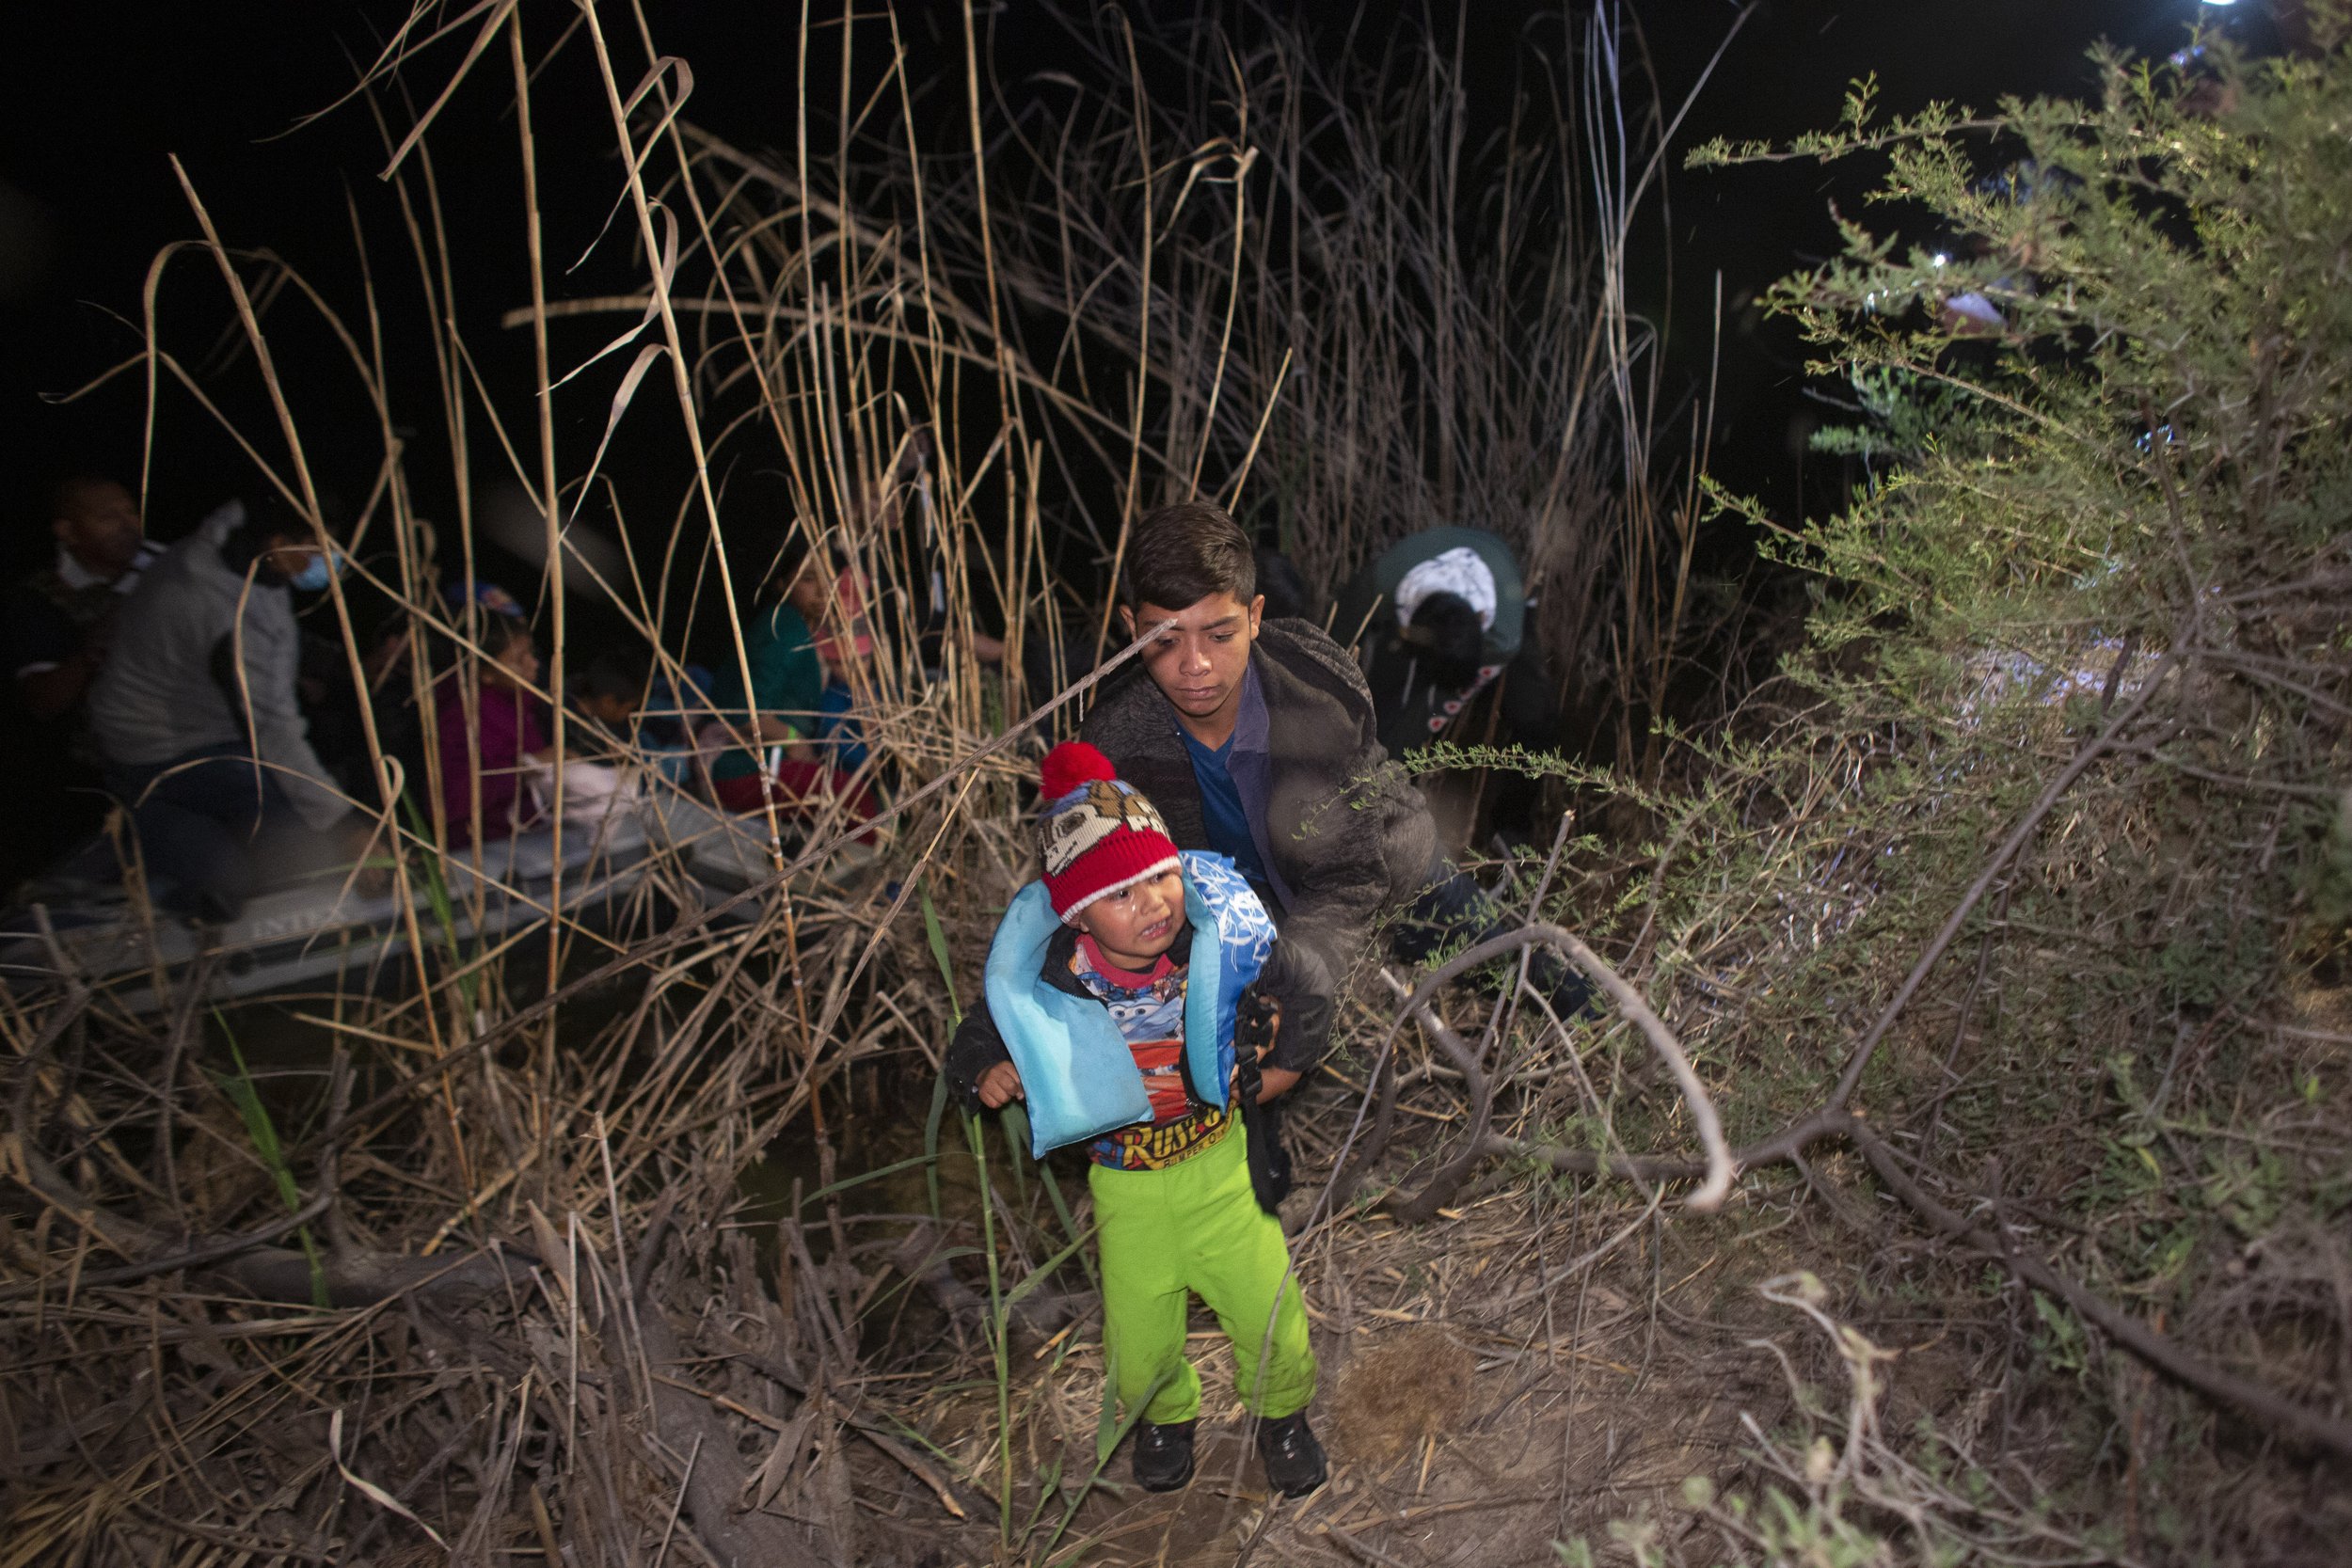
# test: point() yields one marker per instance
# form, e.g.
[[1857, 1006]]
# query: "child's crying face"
[[1138, 923]]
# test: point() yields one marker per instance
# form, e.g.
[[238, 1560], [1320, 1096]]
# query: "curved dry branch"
[[1781, 1147], [201, 1254], [1442, 1186], [1719, 1168], [247, 1261]]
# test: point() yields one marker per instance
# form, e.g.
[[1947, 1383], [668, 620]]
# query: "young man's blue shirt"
[[1222, 812], [1226, 799]]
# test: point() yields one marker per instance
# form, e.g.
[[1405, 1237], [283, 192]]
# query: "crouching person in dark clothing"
[[1115, 988]]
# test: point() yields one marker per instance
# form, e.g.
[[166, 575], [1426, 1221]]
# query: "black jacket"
[[1345, 834]]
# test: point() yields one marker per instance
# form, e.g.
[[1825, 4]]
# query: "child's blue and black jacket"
[[1078, 1073]]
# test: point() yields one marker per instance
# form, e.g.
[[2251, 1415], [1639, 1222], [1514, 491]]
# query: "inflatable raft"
[[324, 934]]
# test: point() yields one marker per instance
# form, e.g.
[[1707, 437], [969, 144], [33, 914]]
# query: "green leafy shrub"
[[2110, 501]]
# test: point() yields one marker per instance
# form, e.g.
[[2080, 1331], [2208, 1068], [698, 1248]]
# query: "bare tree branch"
[[2307, 1426], [2095, 748], [1720, 1168]]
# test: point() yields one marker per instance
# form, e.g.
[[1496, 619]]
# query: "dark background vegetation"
[[245, 96], [105, 92], [2128, 1064]]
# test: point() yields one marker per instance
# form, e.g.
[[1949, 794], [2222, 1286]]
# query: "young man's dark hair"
[[1446, 635], [1181, 554]]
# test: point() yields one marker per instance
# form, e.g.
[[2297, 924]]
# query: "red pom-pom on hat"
[[1071, 765]]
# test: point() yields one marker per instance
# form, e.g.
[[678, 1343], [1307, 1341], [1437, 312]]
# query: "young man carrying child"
[[1258, 737], [1114, 992]]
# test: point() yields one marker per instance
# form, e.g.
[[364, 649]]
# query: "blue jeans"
[[839, 727], [1455, 910], [208, 830]]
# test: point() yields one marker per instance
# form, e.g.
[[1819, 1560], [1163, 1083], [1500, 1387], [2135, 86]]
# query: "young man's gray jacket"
[[1341, 833], [202, 658]]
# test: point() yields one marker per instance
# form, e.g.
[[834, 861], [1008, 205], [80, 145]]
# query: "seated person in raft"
[[846, 646], [783, 704], [493, 731], [1115, 989], [608, 701]]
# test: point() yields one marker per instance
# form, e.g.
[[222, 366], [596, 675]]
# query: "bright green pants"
[[1196, 1227]]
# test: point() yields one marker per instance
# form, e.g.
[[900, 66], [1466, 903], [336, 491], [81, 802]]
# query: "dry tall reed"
[[541, 1324]]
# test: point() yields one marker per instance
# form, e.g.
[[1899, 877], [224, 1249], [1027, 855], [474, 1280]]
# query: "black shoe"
[[1164, 1455], [1294, 1460], [1566, 988]]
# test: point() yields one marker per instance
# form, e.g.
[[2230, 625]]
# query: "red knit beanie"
[[1100, 834]]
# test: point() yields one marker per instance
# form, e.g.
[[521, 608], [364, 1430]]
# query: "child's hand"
[[1000, 1084]]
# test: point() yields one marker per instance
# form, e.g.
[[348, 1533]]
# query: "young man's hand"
[[1275, 1081], [1268, 1082], [1000, 1084]]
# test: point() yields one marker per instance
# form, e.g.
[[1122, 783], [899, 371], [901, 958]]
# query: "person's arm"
[[258, 674], [1338, 883], [1298, 984], [1000, 1085], [1334, 814], [54, 662], [773, 730], [1275, 1081], [976, 1053], [53, 691], [1257, 1026]]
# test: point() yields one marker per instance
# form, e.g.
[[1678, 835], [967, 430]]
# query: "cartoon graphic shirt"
[[1148, 1010]]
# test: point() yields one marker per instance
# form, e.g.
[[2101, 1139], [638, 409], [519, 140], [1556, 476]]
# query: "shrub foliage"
[[2106, 503]]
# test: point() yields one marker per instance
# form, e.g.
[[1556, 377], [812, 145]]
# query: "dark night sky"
[[103, 91]]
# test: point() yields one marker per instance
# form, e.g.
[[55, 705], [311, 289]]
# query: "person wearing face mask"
[[61, 618], [197, 720]]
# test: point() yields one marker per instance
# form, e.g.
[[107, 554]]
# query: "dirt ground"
[[1489, 1388]]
